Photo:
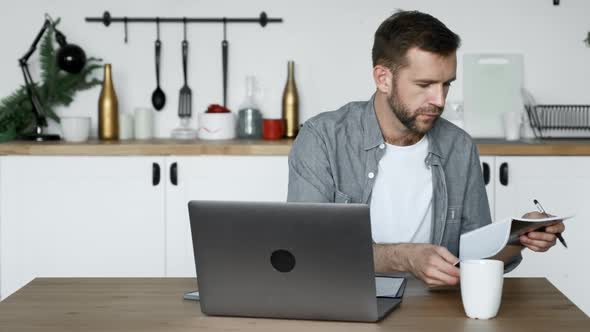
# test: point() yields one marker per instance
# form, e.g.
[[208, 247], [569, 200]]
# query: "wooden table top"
[[166, 147], [155, 304]]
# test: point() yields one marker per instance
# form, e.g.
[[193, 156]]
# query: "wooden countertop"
[[147, 304], [534, 147], [150, 147], [492, 147]]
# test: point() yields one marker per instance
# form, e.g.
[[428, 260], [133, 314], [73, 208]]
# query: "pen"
[[559, 236]]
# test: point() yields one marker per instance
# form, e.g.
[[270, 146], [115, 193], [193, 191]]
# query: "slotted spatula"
[[185, 97]]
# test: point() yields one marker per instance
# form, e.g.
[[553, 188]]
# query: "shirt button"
[[371, 175], [381, 146]]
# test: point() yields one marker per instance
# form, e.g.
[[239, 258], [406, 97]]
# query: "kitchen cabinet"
[[237, 178], [80, 217], [562, 185]]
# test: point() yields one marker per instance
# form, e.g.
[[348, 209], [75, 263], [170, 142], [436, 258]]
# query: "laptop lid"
[[284, 260]]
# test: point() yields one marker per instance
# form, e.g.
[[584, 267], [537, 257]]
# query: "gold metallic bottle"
[[108, 108], [291, 103]]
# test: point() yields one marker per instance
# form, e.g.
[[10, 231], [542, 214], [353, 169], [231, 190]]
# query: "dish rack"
[[559, 121]]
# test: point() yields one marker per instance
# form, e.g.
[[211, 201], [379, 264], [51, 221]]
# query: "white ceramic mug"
[[481, 287], [511, 122], [75, 128], [144, 123]]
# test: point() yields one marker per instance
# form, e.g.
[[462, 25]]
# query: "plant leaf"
[[49, 68]]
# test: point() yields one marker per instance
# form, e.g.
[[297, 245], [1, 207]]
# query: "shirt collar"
[[372, 136]]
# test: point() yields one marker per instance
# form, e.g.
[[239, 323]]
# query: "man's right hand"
[[432, 264]]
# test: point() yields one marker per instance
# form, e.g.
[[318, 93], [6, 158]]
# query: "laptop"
[[289, 260]]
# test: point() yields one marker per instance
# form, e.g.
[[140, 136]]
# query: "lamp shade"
[[71, 58]]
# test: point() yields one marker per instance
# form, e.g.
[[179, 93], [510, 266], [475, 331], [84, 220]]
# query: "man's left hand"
[[541, 241]]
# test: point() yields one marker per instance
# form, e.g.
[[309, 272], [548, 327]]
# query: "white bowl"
[[214, 126], [75, 128]]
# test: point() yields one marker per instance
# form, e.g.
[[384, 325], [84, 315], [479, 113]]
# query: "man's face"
[[419, 90]]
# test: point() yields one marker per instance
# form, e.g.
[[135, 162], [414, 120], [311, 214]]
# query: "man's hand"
[[432, 264], [541, 241]]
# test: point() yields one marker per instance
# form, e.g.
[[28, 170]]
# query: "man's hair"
[[408, 29]]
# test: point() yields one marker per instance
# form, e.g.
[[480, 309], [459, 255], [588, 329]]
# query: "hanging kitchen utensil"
[[185, 99], [224, 53], [158, 96]]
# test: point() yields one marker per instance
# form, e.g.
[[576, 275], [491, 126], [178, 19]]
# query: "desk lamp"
[[69, 57]]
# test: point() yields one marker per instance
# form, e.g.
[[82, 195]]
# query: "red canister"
[[273, 129]]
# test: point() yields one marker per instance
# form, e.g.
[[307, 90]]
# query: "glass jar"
[[249, 115], [249, 123]]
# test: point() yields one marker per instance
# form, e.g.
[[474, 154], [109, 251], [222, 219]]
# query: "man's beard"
[[409, 120]]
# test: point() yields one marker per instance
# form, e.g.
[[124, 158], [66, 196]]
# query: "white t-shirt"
[[401, 200]]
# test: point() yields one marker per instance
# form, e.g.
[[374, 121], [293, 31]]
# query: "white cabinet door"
[[228, 178], [562, 185], [487, 168], [79, 217]]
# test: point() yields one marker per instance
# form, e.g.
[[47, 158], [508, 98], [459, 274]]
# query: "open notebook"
[[500, 240]]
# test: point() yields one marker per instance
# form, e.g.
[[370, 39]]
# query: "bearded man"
[[419, 173]]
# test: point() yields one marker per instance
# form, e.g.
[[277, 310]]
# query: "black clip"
[[106, 19], [263, 19]]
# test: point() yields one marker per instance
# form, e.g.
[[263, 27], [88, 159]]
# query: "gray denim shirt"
[[336, 155]]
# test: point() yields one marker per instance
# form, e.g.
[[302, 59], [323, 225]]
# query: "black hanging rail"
[[107, 19], [263, 20]]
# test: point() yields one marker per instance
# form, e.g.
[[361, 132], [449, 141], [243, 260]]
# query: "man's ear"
[[383, 79]]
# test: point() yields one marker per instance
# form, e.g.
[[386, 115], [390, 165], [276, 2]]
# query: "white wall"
[[329, 40]]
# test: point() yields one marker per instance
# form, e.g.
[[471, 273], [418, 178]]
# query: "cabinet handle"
[[174, 173], [504, 174], [486, 173], [155, 174]]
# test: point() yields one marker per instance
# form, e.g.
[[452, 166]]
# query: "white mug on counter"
[[481, 287], [75, 128], [144, 123]]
